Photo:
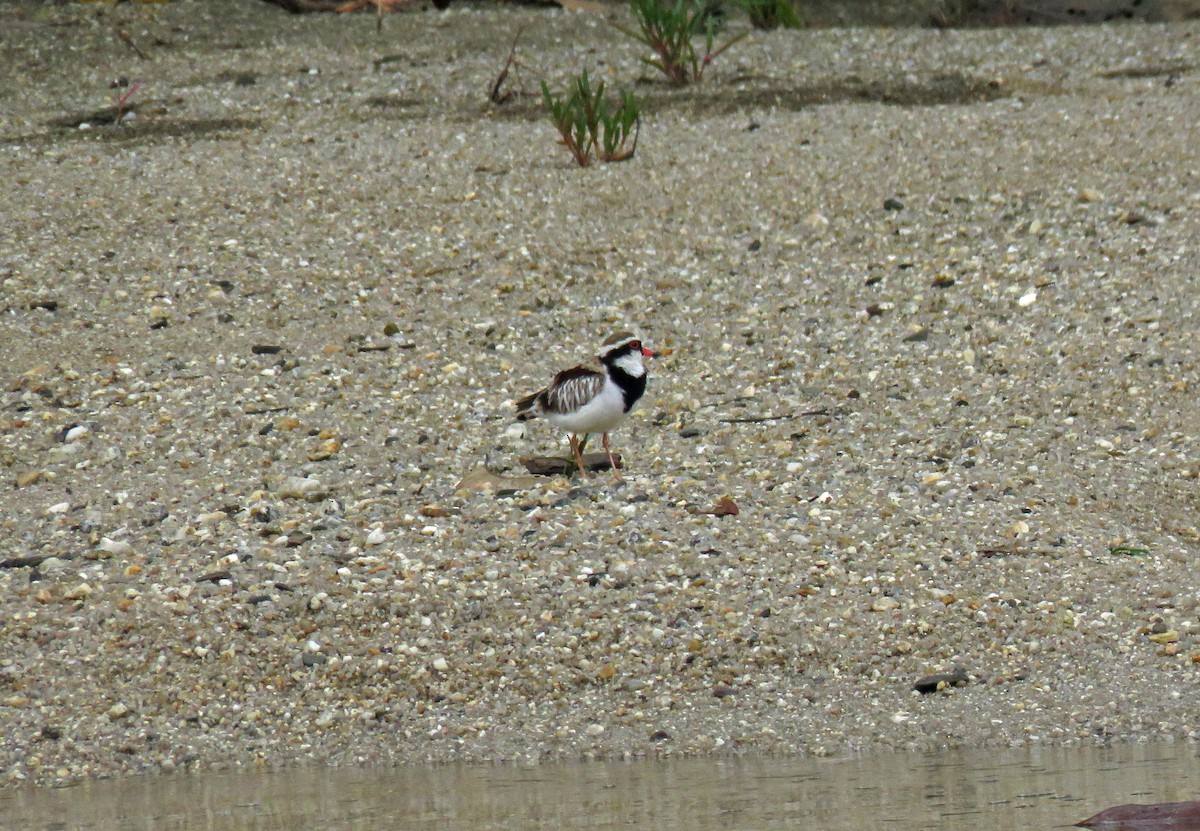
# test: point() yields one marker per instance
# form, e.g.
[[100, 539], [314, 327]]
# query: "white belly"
[[600, 415]]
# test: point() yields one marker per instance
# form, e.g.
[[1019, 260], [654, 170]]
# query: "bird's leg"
[[611, 460], [577, 449]]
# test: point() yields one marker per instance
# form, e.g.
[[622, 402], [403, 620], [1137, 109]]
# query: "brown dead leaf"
[[725, 507], [482, 479]]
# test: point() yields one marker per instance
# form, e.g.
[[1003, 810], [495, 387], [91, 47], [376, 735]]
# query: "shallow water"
[[1014, 789]]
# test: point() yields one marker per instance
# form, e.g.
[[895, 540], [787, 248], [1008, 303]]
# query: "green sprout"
[[668, 28], [772, 14], [589, 127]]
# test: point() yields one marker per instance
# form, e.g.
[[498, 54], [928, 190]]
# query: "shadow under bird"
[[583, 400]]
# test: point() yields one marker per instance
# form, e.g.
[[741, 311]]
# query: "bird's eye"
[[635, 345]]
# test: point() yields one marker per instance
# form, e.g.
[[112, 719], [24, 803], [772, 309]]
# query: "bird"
[[583, 400]]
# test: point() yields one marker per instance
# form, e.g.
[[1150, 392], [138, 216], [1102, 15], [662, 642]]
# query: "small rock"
[[440, 664], [160, 317], [892, 204], [118, 711], [301, 487], [325, 451], [81, 592], [376, 537], [723, 691], [958, 677], [118, 548], [816, 221], [916, 334], [29, 477], [52, 565]]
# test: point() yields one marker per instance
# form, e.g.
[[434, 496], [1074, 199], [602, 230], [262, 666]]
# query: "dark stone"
[[28, 561], [957, 677], [554, 466]]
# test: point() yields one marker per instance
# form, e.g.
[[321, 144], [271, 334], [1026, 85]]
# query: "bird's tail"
[[528, 406]]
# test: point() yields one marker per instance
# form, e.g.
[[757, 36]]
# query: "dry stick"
[[124, 99], [494, 95], [764, 419], [124, 37]]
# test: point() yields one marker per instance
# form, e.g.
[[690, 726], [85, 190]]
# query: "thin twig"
[[738, 399], [494, 95], [124, 100], [764, 419]]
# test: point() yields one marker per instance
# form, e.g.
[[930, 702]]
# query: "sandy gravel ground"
[[930, 302]]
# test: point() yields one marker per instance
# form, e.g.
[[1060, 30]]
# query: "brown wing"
[[527, 406], [571, 389]]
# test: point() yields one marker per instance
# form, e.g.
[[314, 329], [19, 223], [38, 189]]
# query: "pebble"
[[82, 591], [118, 548], [301, 487], [29, 477]]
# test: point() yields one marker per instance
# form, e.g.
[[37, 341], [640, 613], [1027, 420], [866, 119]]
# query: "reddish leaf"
[[725, 507], [1162, 816]]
